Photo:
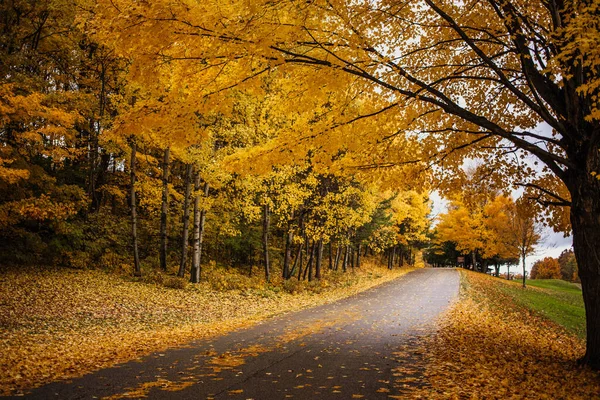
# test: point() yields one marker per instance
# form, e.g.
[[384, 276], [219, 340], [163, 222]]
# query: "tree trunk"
[[199, 219], [265, 240], [358, 257], [100, 179], [301, 262], [585, 222], [524, 271], [186, 220], [330, 254], [345, 263], [319, 259], [136, 257], [195, 271], [474, 260], [164, 210], [338, 255], [296, 260], [288, 254], [309, 264]]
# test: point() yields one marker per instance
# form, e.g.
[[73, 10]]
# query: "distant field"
[[555, 299]]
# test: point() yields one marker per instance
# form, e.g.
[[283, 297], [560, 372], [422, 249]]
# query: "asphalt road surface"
[[363, 347]]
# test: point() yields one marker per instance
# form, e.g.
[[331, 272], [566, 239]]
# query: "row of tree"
[[96, 171]]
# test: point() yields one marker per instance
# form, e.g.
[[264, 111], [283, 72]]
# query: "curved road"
[[363, 347]]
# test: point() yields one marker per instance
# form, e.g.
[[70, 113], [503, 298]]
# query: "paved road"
[[361, 347]]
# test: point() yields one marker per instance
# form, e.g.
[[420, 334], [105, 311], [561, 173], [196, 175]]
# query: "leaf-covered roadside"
[[488, 347], [56, 324]]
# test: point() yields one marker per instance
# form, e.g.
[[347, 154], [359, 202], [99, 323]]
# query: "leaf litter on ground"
[[490, 347], [58, 324]]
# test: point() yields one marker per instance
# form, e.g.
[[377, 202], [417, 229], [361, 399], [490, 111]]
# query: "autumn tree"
[[548, 268], [568, 265], [521, 233]]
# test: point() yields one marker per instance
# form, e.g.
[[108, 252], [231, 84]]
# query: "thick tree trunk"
[[164, 210], [265, 240], [136, 256], [186, 220], [585, 222]]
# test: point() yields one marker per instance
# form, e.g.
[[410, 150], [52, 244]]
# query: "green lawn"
[[555, 299]]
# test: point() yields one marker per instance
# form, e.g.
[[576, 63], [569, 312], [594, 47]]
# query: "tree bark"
[[319, 259], [345, 263], [186, 220], [338, 255], [358, 257], [288, 254], [309, 264], [164, 210], [199, 219], [195, 271], [585, 222], [330, 254], [524, 270], [265, 240], [296, 260], [136, 256]]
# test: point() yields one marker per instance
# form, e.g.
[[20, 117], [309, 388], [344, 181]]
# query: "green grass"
[[559, 301]]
